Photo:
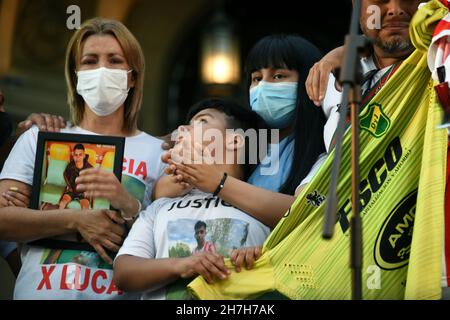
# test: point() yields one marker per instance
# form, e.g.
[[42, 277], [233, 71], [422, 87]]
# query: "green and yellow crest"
[[375, 121]]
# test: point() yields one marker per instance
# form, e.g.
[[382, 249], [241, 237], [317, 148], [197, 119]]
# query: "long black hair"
[[294, 53]]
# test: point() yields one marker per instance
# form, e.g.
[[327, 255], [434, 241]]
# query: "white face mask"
[[104, 90]]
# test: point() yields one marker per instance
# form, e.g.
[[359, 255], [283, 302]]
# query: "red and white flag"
[[439, 51]]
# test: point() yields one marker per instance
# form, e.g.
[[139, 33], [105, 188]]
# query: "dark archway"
[[324, 23]]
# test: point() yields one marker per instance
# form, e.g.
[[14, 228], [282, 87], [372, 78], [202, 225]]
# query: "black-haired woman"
[[276, 68]]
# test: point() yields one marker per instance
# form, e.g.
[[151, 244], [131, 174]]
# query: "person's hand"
[[102, 184], [245, 257], [317, 81], [170, 187], [171, 169], [169, 140], [102, 230], [205, 175], [16, 197], [166, 158], [207, 264], [45, 122], [168, 144]]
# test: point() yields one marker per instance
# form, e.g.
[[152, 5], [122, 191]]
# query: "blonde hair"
[[133, 54]]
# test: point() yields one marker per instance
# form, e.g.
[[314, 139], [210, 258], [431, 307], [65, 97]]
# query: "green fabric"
[[74, 205], [51, 194], [134, 187], [55, 172], [101, 204]]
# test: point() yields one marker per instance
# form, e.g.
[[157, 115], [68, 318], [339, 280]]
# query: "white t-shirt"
[[68, 274], [313, 171], [167, 230], [330, 106]]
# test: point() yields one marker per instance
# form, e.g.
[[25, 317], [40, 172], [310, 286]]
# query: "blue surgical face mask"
[[275, 102]]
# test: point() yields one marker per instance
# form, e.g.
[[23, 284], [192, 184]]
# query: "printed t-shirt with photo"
[[167, 229]]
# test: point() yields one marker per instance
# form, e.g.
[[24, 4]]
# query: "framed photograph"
[[60, 157]]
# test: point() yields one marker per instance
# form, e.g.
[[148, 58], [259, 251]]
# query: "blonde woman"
[[104, 75]]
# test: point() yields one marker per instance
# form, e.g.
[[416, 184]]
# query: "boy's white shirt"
[[168, 225]]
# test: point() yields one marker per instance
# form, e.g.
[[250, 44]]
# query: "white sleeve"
[[20, 163], [330, 107], [149, 189], [140, 241], [332, 97], [313, 170], [6, 248]]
